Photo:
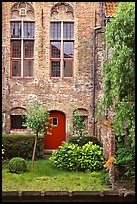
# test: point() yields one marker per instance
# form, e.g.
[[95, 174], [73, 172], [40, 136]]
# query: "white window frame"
[[52, 121]]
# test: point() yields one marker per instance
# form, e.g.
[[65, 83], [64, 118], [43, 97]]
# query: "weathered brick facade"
[[62, 94]]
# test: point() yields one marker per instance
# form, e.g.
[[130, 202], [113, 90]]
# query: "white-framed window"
[[55, 121], [22, 48], [62, 48]]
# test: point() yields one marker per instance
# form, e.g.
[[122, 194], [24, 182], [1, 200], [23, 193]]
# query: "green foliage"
[[22, 146], [122, 127], [65, 157], [79, 125], [49, 178], [119, 83], [127, 160], [91, 157], [81, 140], [73, 157], [37, 118], [120, 70], [17, 165], [3, 150]]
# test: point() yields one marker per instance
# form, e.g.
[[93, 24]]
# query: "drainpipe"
[[101, 12], [94, 66], [106, 21]]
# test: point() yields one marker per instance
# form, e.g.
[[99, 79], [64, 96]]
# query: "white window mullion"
[[22, 51], [62, 52]]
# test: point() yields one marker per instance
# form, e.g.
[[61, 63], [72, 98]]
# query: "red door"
[[58, 132]]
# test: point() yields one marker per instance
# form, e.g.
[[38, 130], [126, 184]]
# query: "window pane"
[[28, 28], [55, 121], [16, 122], [68, 30], [55, 49], [16, 49], [15, 29], [55, 30], [28, 68], [28, 49], [68, 49], [55, 68], [68, 68], [16, 68]]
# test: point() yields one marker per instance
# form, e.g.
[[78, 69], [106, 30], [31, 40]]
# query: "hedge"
[[22, 146], [82, 140]]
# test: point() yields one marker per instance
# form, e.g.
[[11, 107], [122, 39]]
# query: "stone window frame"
[[17, 111], [62, 59], [22, 19], [13, 120]]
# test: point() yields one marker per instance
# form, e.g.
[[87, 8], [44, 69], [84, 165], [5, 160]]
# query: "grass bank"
[[48, 178]]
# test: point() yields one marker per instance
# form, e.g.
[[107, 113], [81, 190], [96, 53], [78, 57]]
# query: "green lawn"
[[48, 178]]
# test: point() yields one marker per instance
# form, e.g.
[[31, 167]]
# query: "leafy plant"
[[73, 157], [37, 119], [17, 165], [119, 83], [81, 140], [65, 157], [91, 157], [79, 124], [22, 146]]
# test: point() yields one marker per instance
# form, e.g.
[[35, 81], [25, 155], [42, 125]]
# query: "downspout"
[[106, 21], [94, 66]]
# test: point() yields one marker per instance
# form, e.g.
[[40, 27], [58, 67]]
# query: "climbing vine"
[[119, 83]]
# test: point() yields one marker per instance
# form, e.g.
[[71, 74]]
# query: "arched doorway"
[[58, 132]]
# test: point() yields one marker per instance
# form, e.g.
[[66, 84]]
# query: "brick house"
[[52, 52]]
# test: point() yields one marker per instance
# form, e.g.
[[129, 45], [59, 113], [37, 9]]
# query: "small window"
[[17, 122], [55, 49], [23, 12], [15, 30], [55, 30], [55, 71], [68, 30], [55, 121], [28, 28]]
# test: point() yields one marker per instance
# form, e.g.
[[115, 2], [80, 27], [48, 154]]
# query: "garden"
[[72, 167]]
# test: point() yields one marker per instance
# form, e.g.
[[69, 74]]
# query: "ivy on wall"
[[119, 83]]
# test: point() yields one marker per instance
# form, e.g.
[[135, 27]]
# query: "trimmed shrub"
[[65, 157], [17, 165], [82, 140], [22, 146], [73, 157], [91, 157]]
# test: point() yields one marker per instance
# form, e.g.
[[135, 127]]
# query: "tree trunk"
[[34, 150]]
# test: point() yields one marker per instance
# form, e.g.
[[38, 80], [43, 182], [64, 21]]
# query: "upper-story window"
[[22, 30], [62, 41]]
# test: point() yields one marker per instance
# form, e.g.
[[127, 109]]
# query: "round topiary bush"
[[17, 165]]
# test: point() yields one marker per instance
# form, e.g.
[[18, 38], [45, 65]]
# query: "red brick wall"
[[59, 94]]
